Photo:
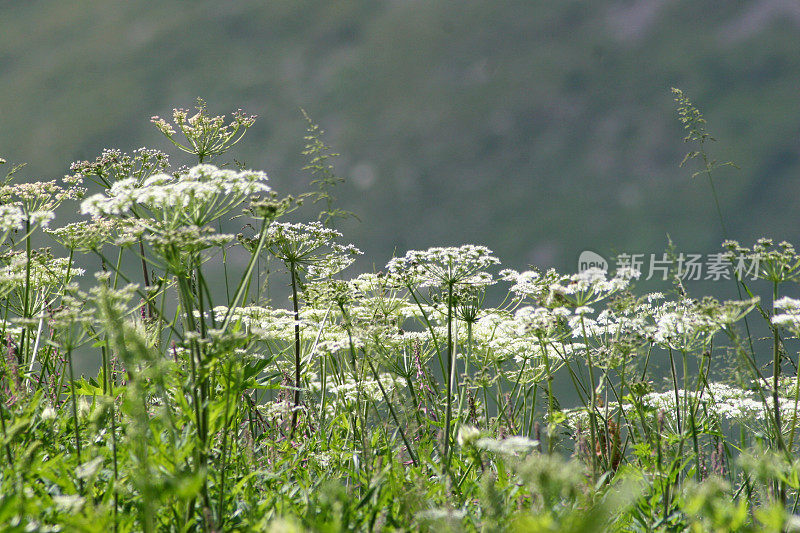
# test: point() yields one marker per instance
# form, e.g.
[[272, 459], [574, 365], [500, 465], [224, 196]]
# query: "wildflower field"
[[444, 391]]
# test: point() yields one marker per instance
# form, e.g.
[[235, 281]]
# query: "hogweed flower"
[[86, 235], [311, 247], [790, 318], [719, 400], [590, 286], [32, 205], [11, 219], [113, 165], [776, 263], [542, 322], [174, 245], [530, 283], [513, 445], [468, 435], [36, 195], [43, 275], [444, 267], [204, 136], [198, 196], [679, 326], [365, 388]]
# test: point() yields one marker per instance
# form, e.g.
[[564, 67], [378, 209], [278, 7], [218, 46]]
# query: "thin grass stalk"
[[223, 467], [518, 379], [323, 364], [794, 413], [415, 400], [549, 378], [618, 399], [780, 489], [22, 355], [74, 406], [114, 459], [677, 391], [6, 443], [532, 411], [297, 362], [224, 264], [146, 278], [35, 350], [358, 422], [208, 378], [244, 282], [435, 340], [708, 168], [577, 381], [688, 406], [463, 390], [199, 397], [392, 412], [593, 402], [194, 360]]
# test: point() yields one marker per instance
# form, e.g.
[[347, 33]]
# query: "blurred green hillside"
[[536, 128]]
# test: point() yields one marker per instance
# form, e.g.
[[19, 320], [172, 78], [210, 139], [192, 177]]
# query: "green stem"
[[394, 415], [146, 279], [550, 402], [297, 361], [74, 404], [463, 391], [113, 447], [449, 376], [677, 391], [593, 402], [5, 439], [776, 373], [21, 357]]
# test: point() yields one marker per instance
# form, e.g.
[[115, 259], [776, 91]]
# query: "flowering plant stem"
[[297, 360], [592, 401], [780, 489], [26, 310], [449, 377], [74, 402]]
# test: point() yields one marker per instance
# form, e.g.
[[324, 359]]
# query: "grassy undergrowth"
[[424, 396]]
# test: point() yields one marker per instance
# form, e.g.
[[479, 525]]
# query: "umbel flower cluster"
[[197, 196], [222, 366]]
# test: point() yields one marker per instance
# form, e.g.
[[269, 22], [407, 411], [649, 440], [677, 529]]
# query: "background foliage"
[[537, 128]]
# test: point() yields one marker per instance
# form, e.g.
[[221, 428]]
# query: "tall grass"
[[411, 398]]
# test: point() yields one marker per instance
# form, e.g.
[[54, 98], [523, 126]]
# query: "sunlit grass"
[[413, 397]]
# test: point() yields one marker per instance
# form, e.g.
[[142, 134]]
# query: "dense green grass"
[[421, 396]]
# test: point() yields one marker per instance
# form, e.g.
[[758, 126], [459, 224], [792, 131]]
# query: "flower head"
[[195, 197], [203, 135], [442, 267]]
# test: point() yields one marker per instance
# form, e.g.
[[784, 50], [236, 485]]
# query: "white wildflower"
[[589, 286], [442, 267], [467, 435], [196, 197], [790, 318], [508, 446], [11, 218]]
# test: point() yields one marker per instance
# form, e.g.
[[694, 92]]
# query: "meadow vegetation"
[[429, 394]]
